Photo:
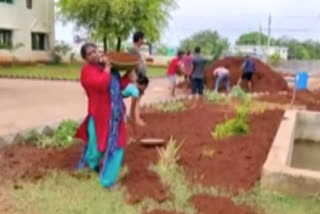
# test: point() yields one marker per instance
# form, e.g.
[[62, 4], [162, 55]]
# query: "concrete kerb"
[[277, 173]]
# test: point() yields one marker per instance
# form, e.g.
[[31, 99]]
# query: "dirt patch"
[[143, 183], [207, 205], [264, 80], [26, 162], [235, 163], [311, 100]]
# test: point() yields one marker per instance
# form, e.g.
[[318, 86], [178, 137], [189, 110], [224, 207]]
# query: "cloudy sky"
[[294, 18]]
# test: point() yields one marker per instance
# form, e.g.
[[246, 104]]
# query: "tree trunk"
[[119, 44], [105, 44]]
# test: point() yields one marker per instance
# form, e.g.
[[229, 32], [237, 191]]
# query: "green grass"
[[62, 193], [70, 72]]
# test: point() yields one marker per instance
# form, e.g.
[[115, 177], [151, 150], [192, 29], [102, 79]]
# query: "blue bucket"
[[302, 80]]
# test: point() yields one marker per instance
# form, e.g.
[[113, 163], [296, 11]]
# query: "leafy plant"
[[235, 126], [215, 97], [238, 92], [169, 156], [62, 137], [170, 107]]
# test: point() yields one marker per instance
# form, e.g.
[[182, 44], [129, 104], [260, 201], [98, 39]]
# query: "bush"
[[60, 50]]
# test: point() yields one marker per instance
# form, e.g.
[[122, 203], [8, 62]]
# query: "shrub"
[[275, 59], [169, 156]]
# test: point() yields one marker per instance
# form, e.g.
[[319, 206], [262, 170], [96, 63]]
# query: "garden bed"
[[232, 164]]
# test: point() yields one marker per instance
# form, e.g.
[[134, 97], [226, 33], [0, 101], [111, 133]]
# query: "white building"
[[28, 24], [262, 51]]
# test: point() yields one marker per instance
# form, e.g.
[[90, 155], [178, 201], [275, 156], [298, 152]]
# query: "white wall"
[[22, 21]]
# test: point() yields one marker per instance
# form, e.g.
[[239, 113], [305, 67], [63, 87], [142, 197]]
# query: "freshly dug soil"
[[143, 183], [26, 162], [235, 162], [264, 80], [208, 205], [311, 100]]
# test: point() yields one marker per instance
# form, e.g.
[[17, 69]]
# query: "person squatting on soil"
[[175, 66], [104, 128], [187, 63], [222, 74], [138, 42], [197, 76], [248, 70]]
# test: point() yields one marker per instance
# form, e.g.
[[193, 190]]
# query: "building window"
[[29, 4], [5, 39], [6, 1], [39, 41]]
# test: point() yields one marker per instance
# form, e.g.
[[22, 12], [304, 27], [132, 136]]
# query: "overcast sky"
[[294, 18]]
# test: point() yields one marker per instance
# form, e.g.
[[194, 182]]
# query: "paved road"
[[26, 104]]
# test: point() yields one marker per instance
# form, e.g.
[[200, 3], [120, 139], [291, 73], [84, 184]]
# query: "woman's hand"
[[107, 64]]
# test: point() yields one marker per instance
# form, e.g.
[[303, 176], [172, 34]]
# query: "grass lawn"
[[63, 193], [70, 72]]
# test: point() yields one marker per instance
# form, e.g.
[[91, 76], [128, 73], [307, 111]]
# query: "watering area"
[[293, 163]]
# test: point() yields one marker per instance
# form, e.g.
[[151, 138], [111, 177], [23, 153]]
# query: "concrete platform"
[[277, 171]]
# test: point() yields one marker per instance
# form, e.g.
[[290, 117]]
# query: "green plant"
[[235, 126], [238, 92], [170, 107], [62, 137], [169, 156], [215, 97]]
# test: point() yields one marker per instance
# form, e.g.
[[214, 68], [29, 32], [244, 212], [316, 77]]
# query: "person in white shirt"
[[222, 74]]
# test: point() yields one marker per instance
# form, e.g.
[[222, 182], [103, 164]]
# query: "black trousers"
[[197, 86]]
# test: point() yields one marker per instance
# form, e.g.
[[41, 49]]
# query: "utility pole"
[[269, 30]]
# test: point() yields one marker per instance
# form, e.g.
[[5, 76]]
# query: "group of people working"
[[104, 129], [193, 68]]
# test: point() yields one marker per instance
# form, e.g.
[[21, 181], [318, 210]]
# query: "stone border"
[[3, 76], [277, 174]]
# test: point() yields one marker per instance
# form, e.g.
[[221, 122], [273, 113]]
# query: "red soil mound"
[[264, 80], [207, 205]]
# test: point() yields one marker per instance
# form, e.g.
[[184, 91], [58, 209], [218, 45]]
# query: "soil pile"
[[264, 80], [207, 204]]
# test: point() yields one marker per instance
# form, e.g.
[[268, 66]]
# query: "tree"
[[162, 49], [211, 43], [253, 38], [117, 19]]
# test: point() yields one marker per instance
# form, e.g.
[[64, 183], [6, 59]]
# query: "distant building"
[[29, 24], [261, 51]]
